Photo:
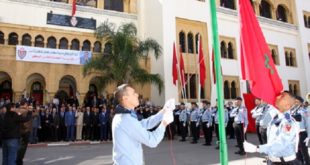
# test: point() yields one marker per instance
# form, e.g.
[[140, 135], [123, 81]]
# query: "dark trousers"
[[34, 136], [195, 131], [263, 132], [239, 131], [230, 129], [183, 130], [259, 134], [303, 154], [216, 130], [103, 132], [62, 132], [207, 132], [70, 132], [293, 162], [24, 140]]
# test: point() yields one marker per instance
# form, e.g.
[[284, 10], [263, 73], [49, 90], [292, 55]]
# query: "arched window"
[[287, 59], [51, 42], [63, 43], [223, 49], [190, 43], [292, 62], [13, 39], [274, 56], [182, 41], [226, 90], [36, 86], [290, 88], [75, 44], [233, 90], [26, 40], [265, 9], [117, 5], [281, 14], [39, 41], [230, 51], [193, 89], [309, 22], [86, 45], [97, 47], [305, 21], [107, 49], [196, 42], [1, 37], [295, 92]]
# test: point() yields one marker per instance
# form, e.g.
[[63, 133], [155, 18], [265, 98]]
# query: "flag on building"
[[202, 66], [73, 7], [182, 69], [174, 66], [256, 62]]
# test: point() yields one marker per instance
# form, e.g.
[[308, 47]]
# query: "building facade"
[[44, 24]]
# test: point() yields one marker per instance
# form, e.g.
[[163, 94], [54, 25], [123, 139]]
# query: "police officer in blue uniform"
[[216, 123], [257, 115], [240, 115], [194, 122], [282, 135], [303, 120], [206, 120], [183, 118]]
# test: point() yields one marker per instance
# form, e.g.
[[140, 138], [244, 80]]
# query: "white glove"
[[197, 124], [168, 117], [307, 141], [244, 129], [208, 125], [248, 147], [184, 124], [169, 105]]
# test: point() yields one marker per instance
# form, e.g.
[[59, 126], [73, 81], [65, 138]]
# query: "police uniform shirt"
[[194, 116], [216, 116], [282, 137], [304, 123], [183, 116], [207, 116], [257, 113], [268, 114], [129, 134], [240, 115]]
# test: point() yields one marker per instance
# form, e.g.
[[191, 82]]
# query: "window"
[[92, 3], [75, 44], [39, 41], [36, 86], [13, 39], [223, 50], [230, 51], [86, 45], [107, 49], [294, 87], [281, 14], [228, 4], [51, 42], [305, 21], [231, 87], [226, 90], [26, 40], [196, 42], [265, 9], [290, 57], [191, 86], [1, 37], [97, 47], [274, 54], [309, 22], [116, 5], [63, 43], [190, 43], [182, 41]]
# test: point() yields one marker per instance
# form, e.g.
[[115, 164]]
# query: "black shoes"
[[240, 152]]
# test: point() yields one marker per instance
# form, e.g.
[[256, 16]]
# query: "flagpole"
[[219, 85], [198, 71]]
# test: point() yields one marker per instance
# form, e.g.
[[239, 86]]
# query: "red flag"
[[202, 66], [213, 67], [73, 7], [182, 70], [256, 62], [174, 66]]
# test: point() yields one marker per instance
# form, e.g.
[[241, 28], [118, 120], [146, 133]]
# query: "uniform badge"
[[287, 128]]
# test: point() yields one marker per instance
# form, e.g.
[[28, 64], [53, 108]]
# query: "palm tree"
[[120, 60]]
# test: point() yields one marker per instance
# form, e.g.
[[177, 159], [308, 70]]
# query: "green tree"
[[119, 62]]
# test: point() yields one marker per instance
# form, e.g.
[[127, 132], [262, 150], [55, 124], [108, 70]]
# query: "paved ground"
[[100, 154]]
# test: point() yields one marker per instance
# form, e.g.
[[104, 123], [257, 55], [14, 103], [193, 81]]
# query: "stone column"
[[100, 4]]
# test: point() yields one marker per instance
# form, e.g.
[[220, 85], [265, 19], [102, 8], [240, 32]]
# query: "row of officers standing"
[[206, 118]]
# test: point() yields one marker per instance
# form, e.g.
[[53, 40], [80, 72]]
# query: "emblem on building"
[[22, 53], [73, 21]]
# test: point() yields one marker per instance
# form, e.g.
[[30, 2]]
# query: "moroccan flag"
[[202, 66], [174, 66], [182, 69], [73, 7], [256, 62]]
